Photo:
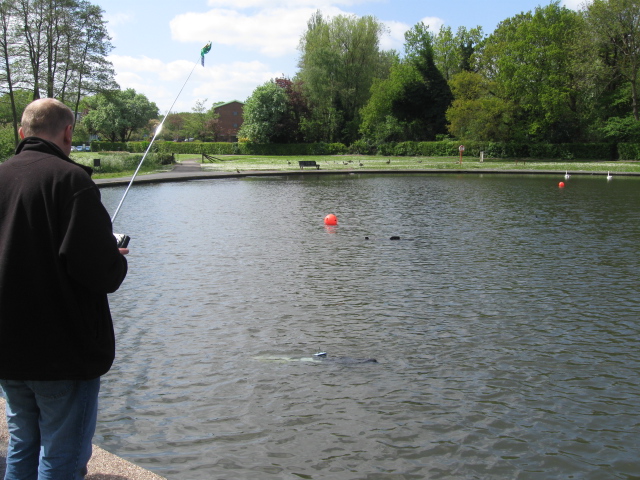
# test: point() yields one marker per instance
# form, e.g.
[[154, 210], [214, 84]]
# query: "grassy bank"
[[246, 163]]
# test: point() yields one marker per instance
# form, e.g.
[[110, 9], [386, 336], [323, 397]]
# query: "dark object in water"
[[348, 360], [394, 237]]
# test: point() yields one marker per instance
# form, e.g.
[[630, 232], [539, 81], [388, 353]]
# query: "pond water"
[[505, 323]]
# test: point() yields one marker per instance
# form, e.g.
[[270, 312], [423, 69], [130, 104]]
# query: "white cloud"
[[574, 4], [116, 20], [234, 81], [289, 4], [394, 40], [434, 23], [272, 32], [162, 82], [164, 71]]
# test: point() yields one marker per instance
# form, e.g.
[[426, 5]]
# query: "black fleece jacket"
[[58, 262]]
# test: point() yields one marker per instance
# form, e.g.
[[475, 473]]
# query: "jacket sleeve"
[[88, 249]]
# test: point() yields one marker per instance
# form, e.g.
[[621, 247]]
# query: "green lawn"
[[246, 163], [357, 162]]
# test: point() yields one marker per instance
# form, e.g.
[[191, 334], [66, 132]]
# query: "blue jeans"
[[51, 424]]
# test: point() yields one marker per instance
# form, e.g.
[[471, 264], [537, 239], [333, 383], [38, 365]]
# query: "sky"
[[157, 43]]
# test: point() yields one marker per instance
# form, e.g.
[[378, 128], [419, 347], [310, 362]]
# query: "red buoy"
[[561, 184], [331, 219]]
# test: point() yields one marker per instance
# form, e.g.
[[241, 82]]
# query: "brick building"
[[229, 121]]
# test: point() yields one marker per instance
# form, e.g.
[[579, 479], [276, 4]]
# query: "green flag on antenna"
[[206, 49]]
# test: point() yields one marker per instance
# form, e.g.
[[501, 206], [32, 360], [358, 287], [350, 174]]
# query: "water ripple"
[[505, 323]]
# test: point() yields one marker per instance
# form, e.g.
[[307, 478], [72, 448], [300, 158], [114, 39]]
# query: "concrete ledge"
[[102, 466]]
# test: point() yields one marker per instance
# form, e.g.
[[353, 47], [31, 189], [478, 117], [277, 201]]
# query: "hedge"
[[445, 148], [629, 151], [100, 146]]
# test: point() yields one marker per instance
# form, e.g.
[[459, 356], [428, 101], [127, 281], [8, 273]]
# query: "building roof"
[[227, 103]]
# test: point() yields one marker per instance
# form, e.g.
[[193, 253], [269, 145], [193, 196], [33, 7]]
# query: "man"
[[58, 262]]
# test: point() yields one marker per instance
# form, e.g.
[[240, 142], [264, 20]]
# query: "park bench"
[[308, 163]]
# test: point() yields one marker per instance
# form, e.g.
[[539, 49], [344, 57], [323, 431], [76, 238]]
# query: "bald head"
[[49, 119]]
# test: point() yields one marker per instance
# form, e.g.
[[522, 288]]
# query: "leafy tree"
[[614, 36], [55, 48], [173, 128], [530, 60], [262, 113], [476, 114], [411, 103], [617, 25], [117, 115], [200, 123], [379, 124], [423, 99], [453, 53], [8, 50], [7, 143], [21, 98], [289, 128], [339, 61], [87, 49]]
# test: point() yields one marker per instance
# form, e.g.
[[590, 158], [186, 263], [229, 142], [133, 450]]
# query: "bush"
[[361, 147], [443, 148], [283, 149], [387, 149], [574, 151], [337, 149], [100, 146], [506, 150], [629, 151], [7, 142], [120, 162]]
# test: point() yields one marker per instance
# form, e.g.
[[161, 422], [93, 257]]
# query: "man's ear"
[[21, 133], [68, 134]]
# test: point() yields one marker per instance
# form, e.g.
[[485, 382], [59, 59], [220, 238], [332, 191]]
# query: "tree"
[[17, 102], [530, 61], [55, 48], [200, 123], [8, 48], [424, 98], [476, 114], [379, 124], [289, 128], [88, 49], [453, 53], [117, 115], [262, 113], [411, 103], [339, 61], [173, 128], [616, 25]]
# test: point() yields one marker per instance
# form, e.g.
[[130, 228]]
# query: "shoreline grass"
[[349, 163]]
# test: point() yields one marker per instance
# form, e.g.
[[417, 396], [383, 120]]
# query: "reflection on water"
[[505, 322]]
